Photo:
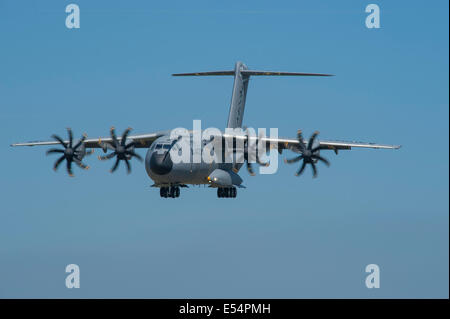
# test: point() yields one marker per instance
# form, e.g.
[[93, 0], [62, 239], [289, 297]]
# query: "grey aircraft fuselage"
[[164, 172]]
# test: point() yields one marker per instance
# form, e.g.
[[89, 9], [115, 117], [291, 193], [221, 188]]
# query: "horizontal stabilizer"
[[253, 72], [206, 73]]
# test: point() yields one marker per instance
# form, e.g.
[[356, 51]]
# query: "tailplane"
[[241, 77]]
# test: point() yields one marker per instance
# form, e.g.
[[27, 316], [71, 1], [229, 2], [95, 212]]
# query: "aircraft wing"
[[141, 141], [294, 145]]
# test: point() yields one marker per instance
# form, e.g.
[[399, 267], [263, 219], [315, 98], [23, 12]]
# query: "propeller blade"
[[109, 156], [60, 140], [293, 160], [58, 161], [69, 131], [80, 141], [315, 149], [322, 159], [311, 140], [131, 144], [54, 150], [69, 167], [128, 166], [314, 170], [107, 146], [80, 164], [115, 165], [132, 153], [300, 140], [302, 168], [113, 136], [124, 136]]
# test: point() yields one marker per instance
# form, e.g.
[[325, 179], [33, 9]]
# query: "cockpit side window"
[[158, 146], [166, 146]]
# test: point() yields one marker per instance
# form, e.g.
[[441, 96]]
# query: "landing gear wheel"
[[228, 192], [172, 192]]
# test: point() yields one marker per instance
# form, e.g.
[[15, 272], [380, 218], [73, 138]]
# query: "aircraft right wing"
[[140, 141]]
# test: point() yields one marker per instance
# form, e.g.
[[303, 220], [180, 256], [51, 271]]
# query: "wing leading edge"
[[331, 145], [141, 141], [293, 144]]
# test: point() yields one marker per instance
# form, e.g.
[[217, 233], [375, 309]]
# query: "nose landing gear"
[[172, 192], [226, 192]]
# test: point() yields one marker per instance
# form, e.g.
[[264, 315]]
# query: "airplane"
[[170, 176]]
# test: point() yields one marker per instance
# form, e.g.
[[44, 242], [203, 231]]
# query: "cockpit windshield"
[[162, 146]]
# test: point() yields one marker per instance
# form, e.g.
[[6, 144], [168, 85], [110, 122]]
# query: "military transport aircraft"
[[169, 176]]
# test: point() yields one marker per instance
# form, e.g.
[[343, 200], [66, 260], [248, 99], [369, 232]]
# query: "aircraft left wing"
[[294, 144], [308, 150]]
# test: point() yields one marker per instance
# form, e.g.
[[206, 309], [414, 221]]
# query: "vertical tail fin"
[[238, 96], [241, 77]]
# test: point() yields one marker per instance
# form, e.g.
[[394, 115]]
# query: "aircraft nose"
[[161, 164]]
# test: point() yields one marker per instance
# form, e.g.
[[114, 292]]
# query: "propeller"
[[250, 153], [71, 153], [309, 154], [122, 151]]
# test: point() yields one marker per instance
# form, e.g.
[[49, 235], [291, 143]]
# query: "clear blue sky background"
[[283, 236]]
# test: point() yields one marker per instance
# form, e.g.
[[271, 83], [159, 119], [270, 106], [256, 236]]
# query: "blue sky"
[[283, 236]]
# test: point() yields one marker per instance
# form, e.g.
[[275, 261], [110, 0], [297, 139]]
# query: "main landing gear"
[[172, 192], [226, 192]]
